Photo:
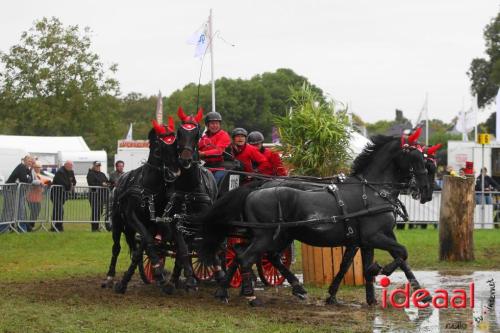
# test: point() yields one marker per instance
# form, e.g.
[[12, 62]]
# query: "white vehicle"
[[82, 162], [459, 152], [9, 159], [133, 153]]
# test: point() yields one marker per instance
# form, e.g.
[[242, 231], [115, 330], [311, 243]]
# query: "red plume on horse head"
[[414, 136], [433, 149], [171, 124], [159, 129], [184, 118]]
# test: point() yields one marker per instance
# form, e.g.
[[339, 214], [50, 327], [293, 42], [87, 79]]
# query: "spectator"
[[35, 193], [66, 182], [98, 193], [461, 172], [256, 139], [113, 177], [489, 185], [450, 171], [22, 174]]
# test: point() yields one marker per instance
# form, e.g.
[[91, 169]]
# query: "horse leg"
[[108, 283], [182, 254], [222, 291], [347, 259], [253, 252], [400, 255], [297, 288], [150, 248], [176, 272], [369, 274], [121, 286]]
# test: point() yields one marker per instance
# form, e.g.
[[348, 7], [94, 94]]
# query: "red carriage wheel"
[[146, 269], [269, 275], [201, 271], [230, 258]]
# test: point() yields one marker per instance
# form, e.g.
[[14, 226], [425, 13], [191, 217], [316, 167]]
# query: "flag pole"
[[426, 119], [210, 33]]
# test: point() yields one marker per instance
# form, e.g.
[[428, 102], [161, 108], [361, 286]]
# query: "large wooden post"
[[456, 220], [321, 264]]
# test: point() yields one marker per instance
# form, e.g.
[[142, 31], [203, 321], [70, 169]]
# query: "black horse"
[[140, 197], [276, 216], [194, 193], [351, 249]]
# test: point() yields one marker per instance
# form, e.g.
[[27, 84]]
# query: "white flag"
[[466, 121], [159, 109], [201, 39], [129, 134]]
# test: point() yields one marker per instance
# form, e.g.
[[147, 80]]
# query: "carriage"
[[267, 273]]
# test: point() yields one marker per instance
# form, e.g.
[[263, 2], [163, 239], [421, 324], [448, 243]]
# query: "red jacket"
[[275, 161], [213, 146], [249, 154]]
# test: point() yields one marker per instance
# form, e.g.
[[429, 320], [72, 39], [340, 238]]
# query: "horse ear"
[[171, 125], [181, 114], [432, 150], [414, 137], [159, 130], [199, 115]]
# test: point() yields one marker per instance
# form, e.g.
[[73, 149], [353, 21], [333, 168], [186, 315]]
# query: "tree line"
[[51, 83]]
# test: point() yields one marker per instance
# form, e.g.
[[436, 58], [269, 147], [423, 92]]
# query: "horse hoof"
[[222, 294], [374, 269], [168, 289], [299, 291], [332, 300], [120, 288], [371, 302], [191, 284], [108, 283], [256, 302]]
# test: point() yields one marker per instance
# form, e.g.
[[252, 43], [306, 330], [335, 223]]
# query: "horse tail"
[[215, 223]]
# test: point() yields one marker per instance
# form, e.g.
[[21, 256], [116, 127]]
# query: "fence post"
[[456, 220]]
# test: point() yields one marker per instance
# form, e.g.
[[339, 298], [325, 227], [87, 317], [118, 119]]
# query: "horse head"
[[188, 135], [163, 149], [421, 171]]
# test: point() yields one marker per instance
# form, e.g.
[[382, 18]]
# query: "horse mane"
[[366, 157]]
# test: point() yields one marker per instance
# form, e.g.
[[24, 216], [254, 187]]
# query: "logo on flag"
[[201, 39]]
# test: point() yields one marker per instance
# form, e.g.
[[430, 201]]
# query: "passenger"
[[256, 139], [248, 155], [213, 144]]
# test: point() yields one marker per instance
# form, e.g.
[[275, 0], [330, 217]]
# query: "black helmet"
[[255, 137], [212, 116], [239, 131]]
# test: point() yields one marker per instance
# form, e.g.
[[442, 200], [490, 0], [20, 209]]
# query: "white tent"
[[44, 147]]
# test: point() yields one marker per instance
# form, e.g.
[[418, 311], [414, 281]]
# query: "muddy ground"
[[279, 304]]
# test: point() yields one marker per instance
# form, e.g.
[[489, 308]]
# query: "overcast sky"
[[374, 55]]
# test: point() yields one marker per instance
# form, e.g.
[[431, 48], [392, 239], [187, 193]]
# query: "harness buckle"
[[364, 196], [383, 194], [341, 203], [333, 218], [332, 188]]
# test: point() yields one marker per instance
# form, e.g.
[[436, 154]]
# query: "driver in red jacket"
[[248, 155], [213, 144], [256, 139]]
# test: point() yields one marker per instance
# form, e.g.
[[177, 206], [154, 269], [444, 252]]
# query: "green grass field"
[[50, 283]]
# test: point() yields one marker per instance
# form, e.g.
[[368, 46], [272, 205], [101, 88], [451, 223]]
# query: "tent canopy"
[[44, 144]]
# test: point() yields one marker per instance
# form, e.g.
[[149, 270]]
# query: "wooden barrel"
[[321, 264]]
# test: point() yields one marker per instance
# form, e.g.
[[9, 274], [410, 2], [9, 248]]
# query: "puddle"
[[484, 317]]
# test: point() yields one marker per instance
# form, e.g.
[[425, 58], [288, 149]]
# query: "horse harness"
[[391, 204]]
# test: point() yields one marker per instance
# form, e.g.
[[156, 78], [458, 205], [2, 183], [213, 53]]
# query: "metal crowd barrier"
[[27, 207], [486, 216]]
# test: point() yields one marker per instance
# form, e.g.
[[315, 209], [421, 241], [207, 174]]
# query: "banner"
[[200, 39]]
